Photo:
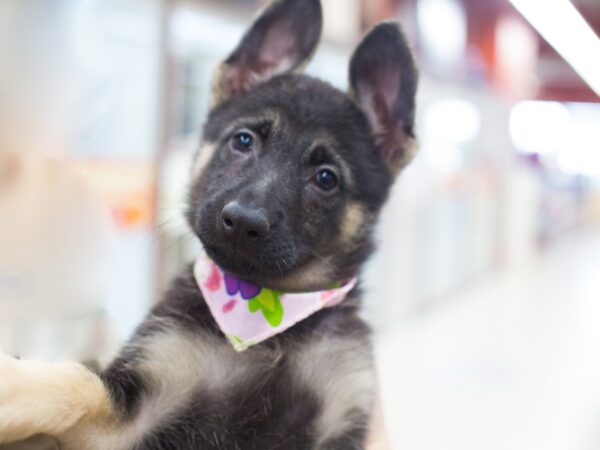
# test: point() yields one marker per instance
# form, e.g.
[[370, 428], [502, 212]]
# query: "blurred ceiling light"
[[582, 155], [580, 152], [559, 22], [443, 29], [539, 126], [452, 120], [444, 157]]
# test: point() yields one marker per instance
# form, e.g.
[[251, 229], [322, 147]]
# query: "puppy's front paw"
[[47, 398], [32, 398]]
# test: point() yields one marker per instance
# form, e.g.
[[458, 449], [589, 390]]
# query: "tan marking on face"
[[317, 274], [320, 272], [205, 154], [271, 116], [410, 150], [353, 219]]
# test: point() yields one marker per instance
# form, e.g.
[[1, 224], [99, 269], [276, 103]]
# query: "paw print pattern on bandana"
[[269, 303], [213, 282], [228, 307], [233, 285], [263, 299]]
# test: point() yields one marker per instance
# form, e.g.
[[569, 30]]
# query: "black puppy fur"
[[289, 181]]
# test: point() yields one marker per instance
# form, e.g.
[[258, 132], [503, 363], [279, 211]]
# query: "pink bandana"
[[248, 314]]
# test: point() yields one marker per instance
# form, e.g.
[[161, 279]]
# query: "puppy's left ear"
[[383, 79], [280, 40]]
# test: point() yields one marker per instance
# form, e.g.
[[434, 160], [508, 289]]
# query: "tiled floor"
[[511, 363]]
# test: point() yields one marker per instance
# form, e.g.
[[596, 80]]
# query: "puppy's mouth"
[[256, 268], [269, 261]]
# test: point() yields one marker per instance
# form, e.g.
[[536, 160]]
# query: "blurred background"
[[485, 291]]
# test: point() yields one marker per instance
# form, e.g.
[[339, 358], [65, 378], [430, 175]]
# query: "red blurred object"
[[555, 77], [550, 77]]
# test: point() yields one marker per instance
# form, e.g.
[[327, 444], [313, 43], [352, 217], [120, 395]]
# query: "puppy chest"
[[303, 395]]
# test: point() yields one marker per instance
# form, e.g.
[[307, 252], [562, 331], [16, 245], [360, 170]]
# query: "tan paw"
[[39, 397]]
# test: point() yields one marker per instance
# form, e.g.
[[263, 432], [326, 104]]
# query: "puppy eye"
[[242, 142], [326, 179]]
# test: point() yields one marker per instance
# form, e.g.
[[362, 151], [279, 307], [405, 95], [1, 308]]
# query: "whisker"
[[323, 259]]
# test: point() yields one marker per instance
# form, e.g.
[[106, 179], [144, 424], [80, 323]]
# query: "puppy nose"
[[242, 224]]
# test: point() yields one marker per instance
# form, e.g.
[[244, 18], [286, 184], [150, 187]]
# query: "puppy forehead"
[[304, 99], [283, 122]]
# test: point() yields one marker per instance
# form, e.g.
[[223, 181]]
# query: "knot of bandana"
[[248, 314]]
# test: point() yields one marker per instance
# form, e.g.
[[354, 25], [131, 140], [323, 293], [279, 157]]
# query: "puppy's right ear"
[[281, 39]]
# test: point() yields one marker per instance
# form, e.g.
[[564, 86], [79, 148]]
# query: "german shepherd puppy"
[[288, 183]]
